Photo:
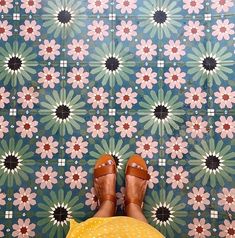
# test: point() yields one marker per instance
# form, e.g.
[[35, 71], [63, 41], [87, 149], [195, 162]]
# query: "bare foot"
[[135, 187], [105, 184]]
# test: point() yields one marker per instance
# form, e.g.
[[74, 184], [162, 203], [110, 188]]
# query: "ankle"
[[135, 211], [132, 208], [108, 203], [109, 207]]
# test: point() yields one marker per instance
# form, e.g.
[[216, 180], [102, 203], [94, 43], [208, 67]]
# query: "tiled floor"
[[79, 78]]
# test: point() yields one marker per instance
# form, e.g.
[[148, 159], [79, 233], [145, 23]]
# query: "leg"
[[135, 187], [107, 209], [105, 185], [134, 211]]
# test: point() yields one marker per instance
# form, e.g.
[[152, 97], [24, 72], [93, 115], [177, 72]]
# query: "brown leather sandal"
[[139, 173], [102, 171]]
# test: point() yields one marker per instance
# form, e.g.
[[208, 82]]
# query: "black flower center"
[[162, 214], [14, 63], [159, 16], [116, 159], [64, 16], [209, 63], [60, 214], [212, 162], [62, 112], [112, 63], [11, 162], [161, 112]]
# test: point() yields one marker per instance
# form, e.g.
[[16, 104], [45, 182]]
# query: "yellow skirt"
[[112, 227]]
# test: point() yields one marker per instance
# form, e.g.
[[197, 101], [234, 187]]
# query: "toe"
[[139, 167], [110, 162], [134, 165]]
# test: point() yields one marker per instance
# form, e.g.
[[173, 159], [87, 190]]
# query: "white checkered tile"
[[12, 112], [112, 17], [162, 162], [207, 17], [214, 214], [112, 112], [16, 16], [160, 63], [8, 214], [210, 112], [63, 63], [61, 162]]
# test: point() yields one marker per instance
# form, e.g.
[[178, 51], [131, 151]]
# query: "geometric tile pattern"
[[82, 78]]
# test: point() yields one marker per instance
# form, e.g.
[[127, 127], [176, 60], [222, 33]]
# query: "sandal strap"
[[139, 173], [135, 201], [108, 197], [104, 170]]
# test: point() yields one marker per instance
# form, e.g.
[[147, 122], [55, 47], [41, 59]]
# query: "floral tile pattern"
[[81, 78]]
